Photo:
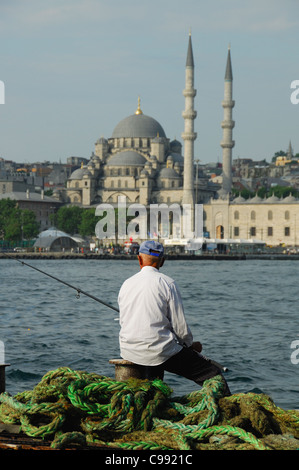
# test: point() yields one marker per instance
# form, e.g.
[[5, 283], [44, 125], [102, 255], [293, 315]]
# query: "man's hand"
[[197, 346]]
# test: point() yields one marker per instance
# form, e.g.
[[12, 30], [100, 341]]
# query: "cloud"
[[267, 16], [163, 15], [37, 14]]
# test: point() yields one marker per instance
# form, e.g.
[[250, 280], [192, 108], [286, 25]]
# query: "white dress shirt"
[[152, 321]]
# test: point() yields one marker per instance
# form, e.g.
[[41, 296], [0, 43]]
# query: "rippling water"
[[244, 313]]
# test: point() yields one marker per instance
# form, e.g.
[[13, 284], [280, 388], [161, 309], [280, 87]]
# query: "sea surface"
[[245, 313]]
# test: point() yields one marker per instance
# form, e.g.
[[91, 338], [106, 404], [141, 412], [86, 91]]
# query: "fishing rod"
[[80, 291]]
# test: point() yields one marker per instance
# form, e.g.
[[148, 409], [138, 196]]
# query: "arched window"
[[236, 215], [252, 215], [287, 215], [219, 231], [270, 215]]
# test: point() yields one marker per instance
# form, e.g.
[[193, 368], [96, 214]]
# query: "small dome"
[[255, 200], [176, 157], [222, 194], [289, 199], [168, 173], [127, 158], [176, 146], [272, 199], [238, 200], [79, 173]]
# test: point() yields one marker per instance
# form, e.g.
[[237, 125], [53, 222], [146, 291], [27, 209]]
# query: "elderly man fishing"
[[153, 329]]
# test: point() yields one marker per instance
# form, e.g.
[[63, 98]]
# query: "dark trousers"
[[189, 364]]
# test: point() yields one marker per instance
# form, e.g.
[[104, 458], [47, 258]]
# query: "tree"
[[9, 220], [68, 219], [88, 222], [13, 230], [245, 193], [74, 219], [16, 224], [283, 191], [30, 228]]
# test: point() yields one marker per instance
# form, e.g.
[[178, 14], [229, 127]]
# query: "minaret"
[[227, 125], [290, 152], [189, 135]]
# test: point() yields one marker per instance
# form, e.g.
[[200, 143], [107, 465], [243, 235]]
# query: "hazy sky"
[[73, 69]]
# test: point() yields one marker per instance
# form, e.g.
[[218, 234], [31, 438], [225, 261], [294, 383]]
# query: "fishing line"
[[80, 291]]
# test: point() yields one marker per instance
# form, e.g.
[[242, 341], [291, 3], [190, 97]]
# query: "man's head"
[[151, 253]]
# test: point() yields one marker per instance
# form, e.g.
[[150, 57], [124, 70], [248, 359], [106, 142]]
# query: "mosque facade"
[[139, 162]]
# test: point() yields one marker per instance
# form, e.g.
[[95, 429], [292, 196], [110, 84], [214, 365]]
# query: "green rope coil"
[[140, 446], [230, 431], [77, 408]]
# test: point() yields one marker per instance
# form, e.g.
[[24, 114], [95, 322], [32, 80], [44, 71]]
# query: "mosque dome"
[[289, 198], [176, 157], [168, 173], [272, 199], [79, 173], [138, 125], [127, 158], [175, 146], [239, 200], [255, 200]]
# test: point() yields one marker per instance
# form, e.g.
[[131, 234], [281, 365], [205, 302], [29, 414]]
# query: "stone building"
[[43, 206], [141, 163], [273, 220]]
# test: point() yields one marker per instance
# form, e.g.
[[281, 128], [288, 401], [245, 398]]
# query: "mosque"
[[139, 162]]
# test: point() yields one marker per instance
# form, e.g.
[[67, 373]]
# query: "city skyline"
[[73, 70]]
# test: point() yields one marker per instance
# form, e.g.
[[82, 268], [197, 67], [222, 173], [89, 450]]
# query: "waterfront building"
[[140, 163], [42, 206], [273, 220]]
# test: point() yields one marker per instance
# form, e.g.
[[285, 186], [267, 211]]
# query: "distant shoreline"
[[122, 257]]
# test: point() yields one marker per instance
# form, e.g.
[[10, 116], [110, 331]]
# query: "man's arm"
[[177, 317]]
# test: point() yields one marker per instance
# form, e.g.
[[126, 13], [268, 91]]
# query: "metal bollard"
[[125, 370], [2, 377]]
